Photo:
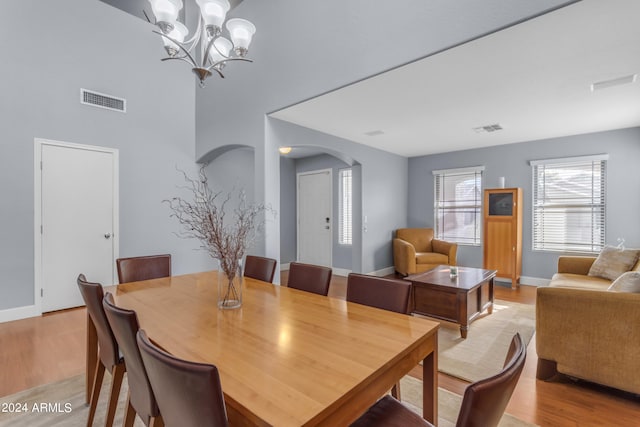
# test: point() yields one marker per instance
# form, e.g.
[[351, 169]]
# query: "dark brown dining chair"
[[379, 292], [148, 267], [483, 403], [108, 352], [141, 401], [260, 268], [310, 278], [189, 394]]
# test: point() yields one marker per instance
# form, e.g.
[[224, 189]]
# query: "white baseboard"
[[19, 313], [534, 281], [341, 271], [383, 272], [526, 280], [337, 271]]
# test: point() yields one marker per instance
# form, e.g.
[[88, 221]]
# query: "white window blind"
[[569, 204], [458, 205], [345, 206]]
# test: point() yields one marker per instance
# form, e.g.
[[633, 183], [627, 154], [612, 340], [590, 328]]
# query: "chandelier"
[[214, 49]]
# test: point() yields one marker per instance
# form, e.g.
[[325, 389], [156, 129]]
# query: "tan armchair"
[[415, 250]]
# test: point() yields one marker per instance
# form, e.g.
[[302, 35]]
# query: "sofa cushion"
[[627, 282], [569, 280], [612, 262], [431, 258]]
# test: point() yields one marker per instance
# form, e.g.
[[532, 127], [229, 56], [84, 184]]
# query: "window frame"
[[345, 225], [473, 172], [538, 243]]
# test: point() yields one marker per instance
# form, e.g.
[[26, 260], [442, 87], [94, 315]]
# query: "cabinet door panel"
[[499, 246]]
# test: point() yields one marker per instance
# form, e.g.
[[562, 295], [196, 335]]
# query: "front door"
[[314, 217], [78, 220]]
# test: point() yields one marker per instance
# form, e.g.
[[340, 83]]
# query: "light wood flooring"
[[50, 348]]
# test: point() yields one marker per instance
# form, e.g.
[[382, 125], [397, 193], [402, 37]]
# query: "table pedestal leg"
[[430, 387]]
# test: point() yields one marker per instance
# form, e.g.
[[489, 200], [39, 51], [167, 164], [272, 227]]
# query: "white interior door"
[[78, 218], [314, 217]]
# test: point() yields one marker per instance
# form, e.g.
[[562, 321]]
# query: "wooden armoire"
[[502, 228]]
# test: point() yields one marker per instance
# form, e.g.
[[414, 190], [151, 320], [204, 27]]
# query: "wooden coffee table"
[[460, 299]]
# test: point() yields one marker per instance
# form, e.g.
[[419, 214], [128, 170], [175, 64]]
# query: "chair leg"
[[130, 414], [395, 391], [156, 421], [116, 382], [95, 392]]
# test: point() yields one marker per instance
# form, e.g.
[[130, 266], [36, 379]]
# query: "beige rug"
[[448, 404], [482, 354], [60, 404], [64, 401]]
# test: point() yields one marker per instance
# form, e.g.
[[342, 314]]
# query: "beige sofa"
[[585, 331]]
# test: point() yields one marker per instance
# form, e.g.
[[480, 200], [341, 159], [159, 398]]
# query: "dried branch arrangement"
[[203, 218]]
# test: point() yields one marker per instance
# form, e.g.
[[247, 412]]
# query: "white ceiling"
[[533, 79]]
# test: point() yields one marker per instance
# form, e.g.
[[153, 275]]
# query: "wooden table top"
[[467, 278], [287, 357]]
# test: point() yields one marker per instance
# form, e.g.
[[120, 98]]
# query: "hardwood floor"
[[50, 348]]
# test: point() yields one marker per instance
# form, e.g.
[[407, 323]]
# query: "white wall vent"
[[101, 100], [488, 128]]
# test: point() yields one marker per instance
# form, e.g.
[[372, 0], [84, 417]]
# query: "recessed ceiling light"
[[284, 150], [374, 133], [614, 82]]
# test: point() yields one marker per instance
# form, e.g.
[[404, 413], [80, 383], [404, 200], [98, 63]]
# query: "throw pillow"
[[628, 282], [613, 261]]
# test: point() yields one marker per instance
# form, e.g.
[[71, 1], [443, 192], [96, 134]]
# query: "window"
[[345, 206], [458, 205], [569, 204]]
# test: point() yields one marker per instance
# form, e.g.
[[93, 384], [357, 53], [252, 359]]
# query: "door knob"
[[107, 235]]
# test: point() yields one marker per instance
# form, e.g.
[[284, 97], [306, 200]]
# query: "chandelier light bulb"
[[178, 33], [220, 50], [166, 13], [241, 32], [213, 14]]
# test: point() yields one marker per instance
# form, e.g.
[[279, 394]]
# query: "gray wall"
[[55, 49], [298, 56], [288, 223], [512, 162], [379, 193], [341, 254]]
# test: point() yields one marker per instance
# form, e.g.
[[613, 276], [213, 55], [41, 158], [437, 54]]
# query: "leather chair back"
[[387, 294], [260, 268], [420, 238], [92, 295], [310, 278], [484, 401], [124, 324], [138, 268], [189, 394]]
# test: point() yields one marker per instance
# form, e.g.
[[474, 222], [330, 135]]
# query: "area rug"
[[61, 404], [448, 404], [482, 353]]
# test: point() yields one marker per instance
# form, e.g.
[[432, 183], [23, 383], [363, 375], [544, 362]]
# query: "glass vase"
[[230, 282]]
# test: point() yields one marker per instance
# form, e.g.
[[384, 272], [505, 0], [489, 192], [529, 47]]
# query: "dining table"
[[286, 357]]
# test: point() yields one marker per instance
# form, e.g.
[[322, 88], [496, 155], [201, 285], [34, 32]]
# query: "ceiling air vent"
[[488, 128], [374, 133], [102, 100]]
